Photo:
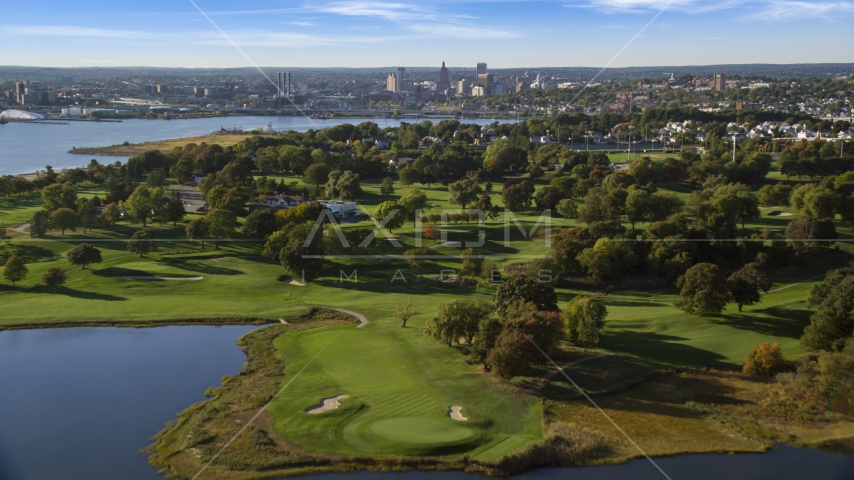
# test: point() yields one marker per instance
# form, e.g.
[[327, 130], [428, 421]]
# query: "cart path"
[[363, 320]]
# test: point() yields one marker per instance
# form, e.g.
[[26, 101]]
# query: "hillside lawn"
[[400, 382]]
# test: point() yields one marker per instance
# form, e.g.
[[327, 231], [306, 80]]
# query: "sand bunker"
[[291, 281], [779, 214], [326, 404], [454, 413], [164, 279]]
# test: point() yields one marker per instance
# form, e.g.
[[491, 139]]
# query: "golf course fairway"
[[400, 386]]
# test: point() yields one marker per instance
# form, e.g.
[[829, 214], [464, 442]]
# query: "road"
[[192, 196]]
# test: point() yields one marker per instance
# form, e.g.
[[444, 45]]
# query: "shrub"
[[54, 277], [766, 359], [564, 444]]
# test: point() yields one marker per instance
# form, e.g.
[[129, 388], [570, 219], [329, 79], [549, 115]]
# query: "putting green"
[[419, 430], [400, 384]]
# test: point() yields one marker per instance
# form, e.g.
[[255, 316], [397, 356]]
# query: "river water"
[[28, 147], [79, 404]]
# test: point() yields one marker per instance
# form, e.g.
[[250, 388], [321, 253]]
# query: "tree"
[[584, 318], [567, 208], [390, 214], [703, 290], [415, 257], [221, 223], [832, 325], [84, 254], [317, 174], [510, 355], [64, 219], [547, 198], [472, 263], [196, 230], [766, 359], [171, 210], [54, 277], [111, 214], [59, 195], [142, 243], [596, 208], [348, 185], [463, 192], [524, 289], [40, 224], [408, 176], [182, 172], [88, 217], [142, 203], [405, 311], [745, 284], [487, 332], [414, 200], [637, 205], [260, 223], [534, 171], [298, 259], [806, 233], [16, 269], [156, 178], [513, 197], [387, 186], [457, 319]]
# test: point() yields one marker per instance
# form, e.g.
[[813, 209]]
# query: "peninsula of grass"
[[222, 139]]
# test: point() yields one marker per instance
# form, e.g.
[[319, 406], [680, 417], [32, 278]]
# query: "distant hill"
[[798, 70]]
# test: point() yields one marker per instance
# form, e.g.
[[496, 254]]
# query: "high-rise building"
[[486, 80], [462, 87], [719, 83], [395, 81], [481, 68], [443, 84]]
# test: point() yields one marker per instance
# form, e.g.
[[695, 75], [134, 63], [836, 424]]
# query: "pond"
[[79, 404]]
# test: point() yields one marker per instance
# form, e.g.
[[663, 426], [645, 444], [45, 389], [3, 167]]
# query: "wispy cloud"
[[463, 31], [299, 24], [768, 10], [798, 10], [71, 31]]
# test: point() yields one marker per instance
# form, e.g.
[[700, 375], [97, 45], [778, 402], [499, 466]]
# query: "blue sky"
[[503, 33]]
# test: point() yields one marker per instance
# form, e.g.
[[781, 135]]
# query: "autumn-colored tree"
[[766, 359]]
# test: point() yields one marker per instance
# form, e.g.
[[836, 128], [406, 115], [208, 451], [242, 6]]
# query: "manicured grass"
[[19, 209], [401, 385]]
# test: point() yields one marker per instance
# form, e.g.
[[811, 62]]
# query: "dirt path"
[[363, 320], [21, 228]]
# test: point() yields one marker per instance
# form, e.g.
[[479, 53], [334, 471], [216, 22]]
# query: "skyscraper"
[[443, 84], [481, 69], [719, 83]]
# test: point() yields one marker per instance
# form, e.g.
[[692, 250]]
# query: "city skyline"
[[590, 33]]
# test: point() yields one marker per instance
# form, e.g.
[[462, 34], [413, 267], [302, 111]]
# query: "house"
[[197, 178], [278, 202], [401, 162], [383, 143], [543, 140]]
